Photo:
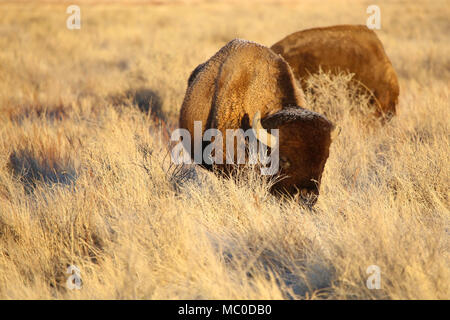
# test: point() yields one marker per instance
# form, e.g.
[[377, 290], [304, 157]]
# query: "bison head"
[[304, 142], [386, 95]]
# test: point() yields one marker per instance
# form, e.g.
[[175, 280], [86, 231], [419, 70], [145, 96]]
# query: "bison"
[[246, 85], [351, 48]]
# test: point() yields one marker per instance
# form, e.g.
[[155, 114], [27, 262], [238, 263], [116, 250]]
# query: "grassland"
[[85, 178]]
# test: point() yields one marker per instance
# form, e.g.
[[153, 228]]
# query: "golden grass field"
[[86, 180]]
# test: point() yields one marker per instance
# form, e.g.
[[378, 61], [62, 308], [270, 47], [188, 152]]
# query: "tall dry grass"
[[85, 178]]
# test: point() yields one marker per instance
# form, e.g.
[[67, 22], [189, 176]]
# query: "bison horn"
[[261, 133], [335, 133]]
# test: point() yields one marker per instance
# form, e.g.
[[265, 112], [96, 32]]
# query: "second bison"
[[350, 48]]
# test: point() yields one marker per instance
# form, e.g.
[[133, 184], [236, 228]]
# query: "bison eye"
[[284, 163]]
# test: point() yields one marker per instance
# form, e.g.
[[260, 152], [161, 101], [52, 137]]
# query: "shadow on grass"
[[30, 170], [147, 100], [18, 113], [303, 278]]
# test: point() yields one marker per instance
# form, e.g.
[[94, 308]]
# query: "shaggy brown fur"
[[352, 48], [243, 78]]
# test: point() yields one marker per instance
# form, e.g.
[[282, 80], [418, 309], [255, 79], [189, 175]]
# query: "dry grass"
[[85, 178]]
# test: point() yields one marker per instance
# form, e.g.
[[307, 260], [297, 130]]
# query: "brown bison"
[[352, 48], [246, 83]]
